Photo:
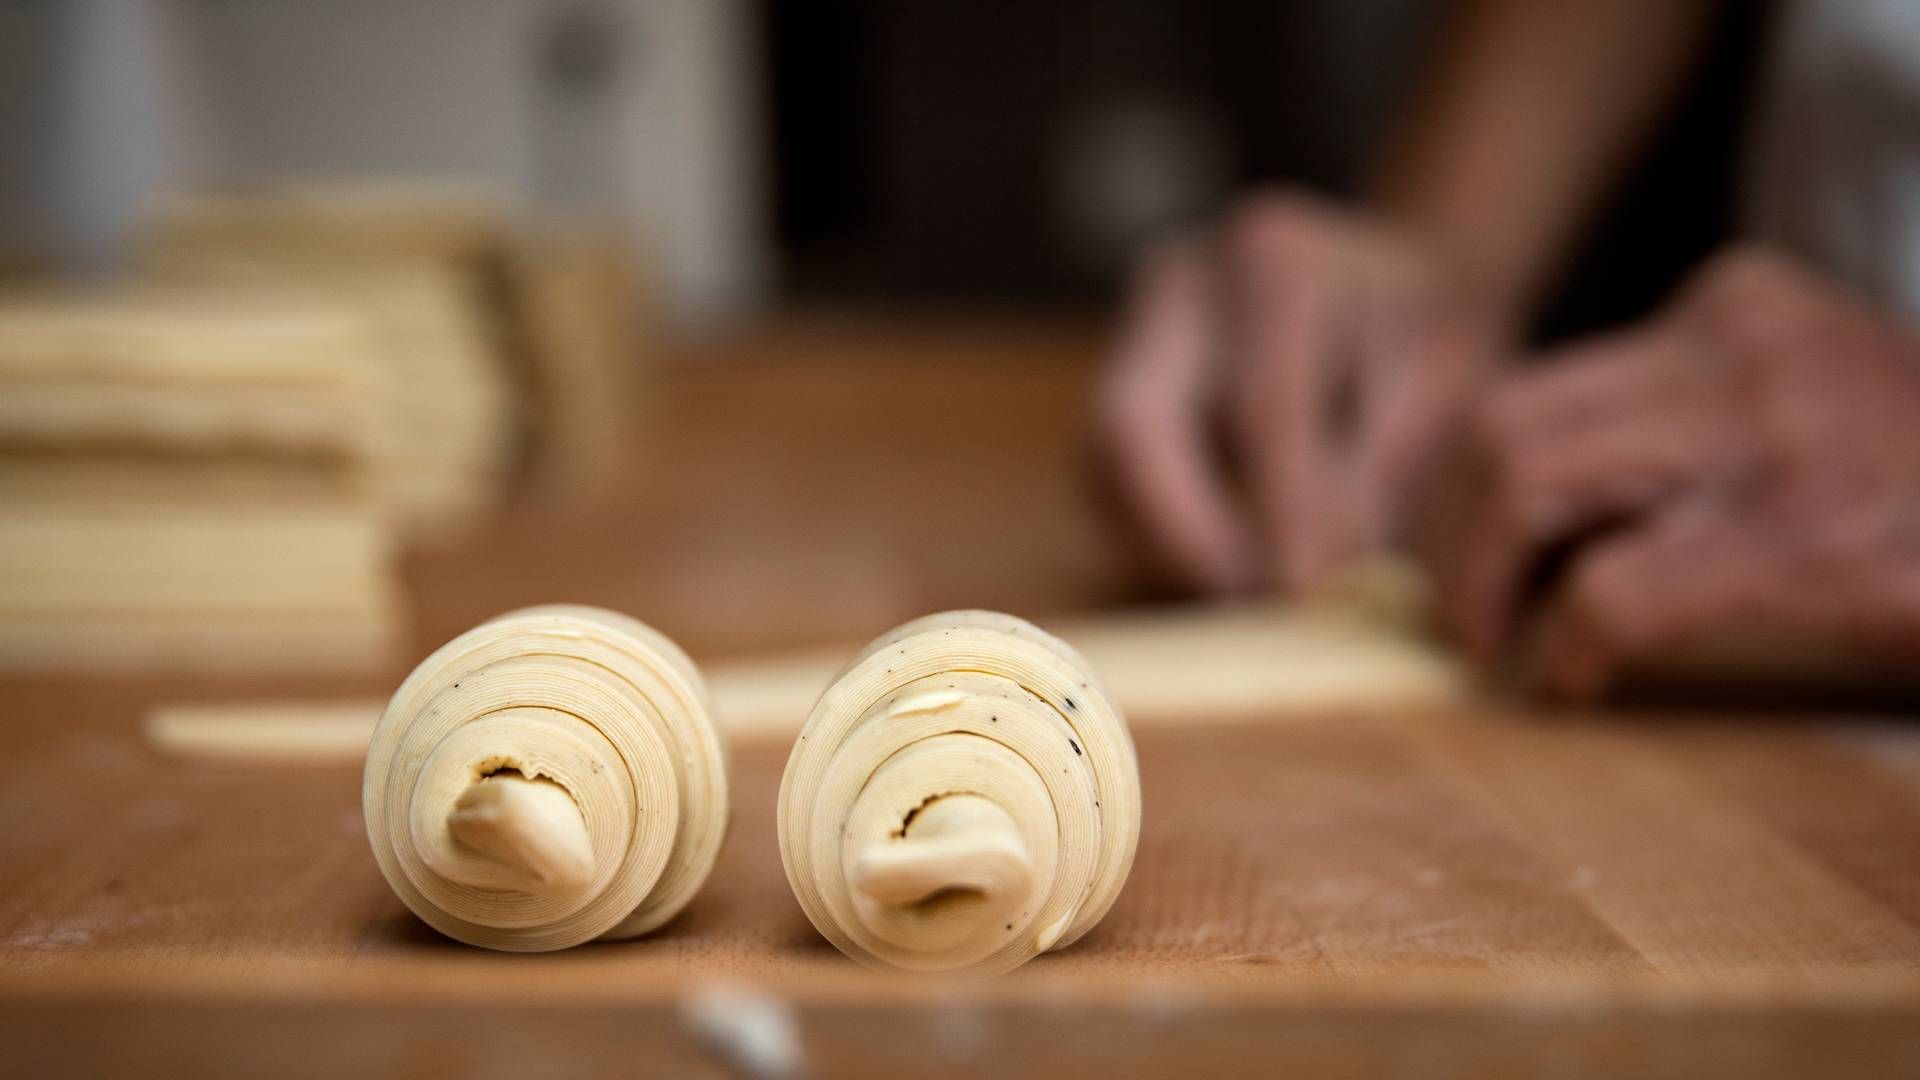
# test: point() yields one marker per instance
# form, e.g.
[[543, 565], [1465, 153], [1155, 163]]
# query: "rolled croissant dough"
[[549, 777], [962, 798]]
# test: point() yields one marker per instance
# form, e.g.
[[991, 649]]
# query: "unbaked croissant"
[[549, 777], [964, 796]]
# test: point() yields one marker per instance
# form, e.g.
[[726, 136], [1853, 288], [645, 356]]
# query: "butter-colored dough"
[[416, 264], [963, 797], [549, 777]]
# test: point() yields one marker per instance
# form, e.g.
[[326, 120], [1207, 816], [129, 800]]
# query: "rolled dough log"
[[549, 777], [963, 797]]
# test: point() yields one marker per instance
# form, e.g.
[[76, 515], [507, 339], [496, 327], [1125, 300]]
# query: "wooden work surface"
[[1464, 893]]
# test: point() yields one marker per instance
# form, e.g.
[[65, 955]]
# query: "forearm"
[[1532, 111]]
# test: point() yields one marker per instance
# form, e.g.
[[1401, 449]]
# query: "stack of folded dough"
[[183, 484], [422, 267], [549, 777], [962, 798]]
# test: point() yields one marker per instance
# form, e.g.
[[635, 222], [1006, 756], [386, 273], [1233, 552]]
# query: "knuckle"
[[1274, 223], [1747, 299], [1750, 267]]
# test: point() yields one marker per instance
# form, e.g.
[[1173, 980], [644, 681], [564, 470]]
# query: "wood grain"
[[1341, 869], [1695, 882]]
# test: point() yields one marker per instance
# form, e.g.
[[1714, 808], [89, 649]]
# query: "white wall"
[[143, 93], [94, 114]]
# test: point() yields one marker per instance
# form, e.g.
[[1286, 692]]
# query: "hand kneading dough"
[[546, 778], [963, 797]]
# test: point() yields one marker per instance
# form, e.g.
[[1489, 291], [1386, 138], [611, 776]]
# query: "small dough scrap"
[[531, 826]]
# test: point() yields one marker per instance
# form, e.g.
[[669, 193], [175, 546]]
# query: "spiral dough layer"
[[549, 777], [963, 797]]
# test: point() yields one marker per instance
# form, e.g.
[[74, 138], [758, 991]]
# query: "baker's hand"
[[1745, 464], [1276, 388]]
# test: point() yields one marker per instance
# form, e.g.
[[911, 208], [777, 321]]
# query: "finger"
[[1532, 488], [1423, 363], [1154, 409], [1594, 382], [1695, 571], [1276, 387], [1716, 575]]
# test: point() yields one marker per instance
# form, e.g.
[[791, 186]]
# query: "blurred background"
[[685, 307], [761, 153]]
